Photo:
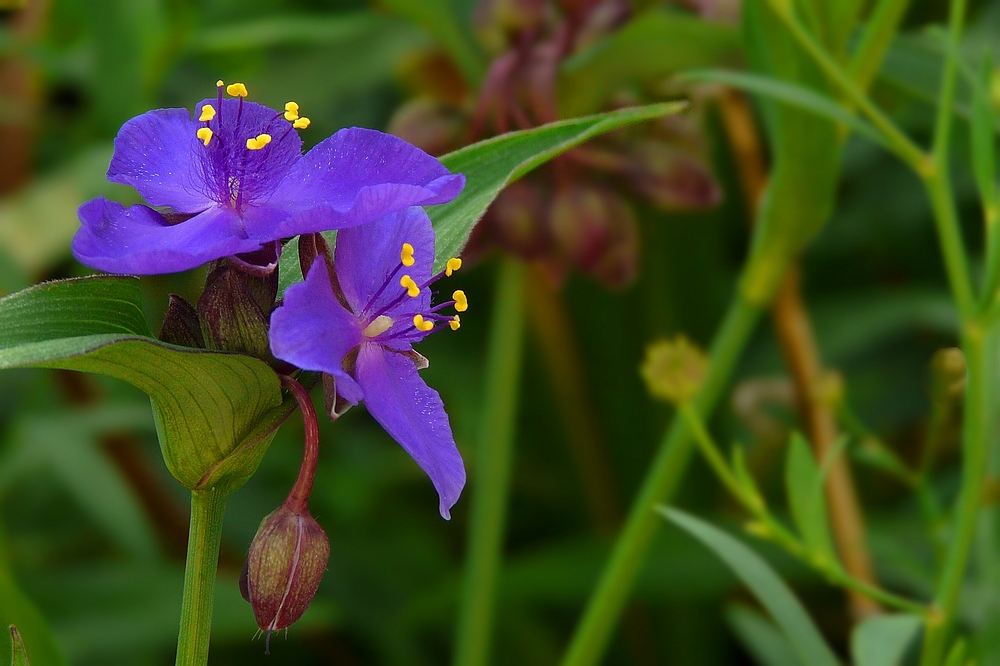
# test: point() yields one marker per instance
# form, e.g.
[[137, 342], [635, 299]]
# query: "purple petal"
[[313, 331], [357, 176], [413, 414], [138, 240], [158, 153], [367, 255]]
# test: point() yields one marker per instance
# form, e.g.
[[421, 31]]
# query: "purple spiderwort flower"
[[363, 335], [233, 180]]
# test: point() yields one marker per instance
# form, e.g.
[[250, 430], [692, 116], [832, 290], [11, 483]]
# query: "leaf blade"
[[881, 640]]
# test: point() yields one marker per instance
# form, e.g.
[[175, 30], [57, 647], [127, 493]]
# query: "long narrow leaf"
[[765, 584]]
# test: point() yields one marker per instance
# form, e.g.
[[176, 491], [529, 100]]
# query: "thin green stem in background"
[[609, 598], [875, 39], [494, 455], [208, 507]]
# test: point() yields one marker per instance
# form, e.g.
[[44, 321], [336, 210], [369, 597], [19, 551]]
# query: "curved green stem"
[[494, 454], [204, 538], [608, 600]]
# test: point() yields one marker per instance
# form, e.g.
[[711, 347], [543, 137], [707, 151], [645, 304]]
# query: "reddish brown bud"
[[284, 567], [595, 230], [432, 126], [671, 179], [517, 218]]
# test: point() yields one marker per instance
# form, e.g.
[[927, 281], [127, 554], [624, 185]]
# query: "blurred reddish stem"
[[19, 83], [798, 346]]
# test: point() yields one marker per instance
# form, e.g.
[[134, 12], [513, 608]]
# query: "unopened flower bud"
[[674, 370], [284, 567], [671, 179], [516, 219], [595, 229], [235, 310]]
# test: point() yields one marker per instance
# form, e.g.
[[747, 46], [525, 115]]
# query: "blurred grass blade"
[[804, 485], [491, 165], [983, 134], [652, 45], [791, 93], [760, 637], [17, 609], [770, 590], [215, 413], [881, 640], [19, 656], [286, 31], [439, 19]]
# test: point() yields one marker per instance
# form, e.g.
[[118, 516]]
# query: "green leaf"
[[652, 45], [804, 484], [215, 413], [491, 165], [983, 134], [791, 93], [19, 656], [770, 590], [760, 637], [439, 20], [881, 640]]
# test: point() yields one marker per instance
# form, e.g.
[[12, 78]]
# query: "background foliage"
[[92, 527]]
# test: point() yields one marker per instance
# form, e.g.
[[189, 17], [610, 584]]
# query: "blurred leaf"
[[805, 151], [491, 165], [881, 640], [983, 134], [215, 413], [17, 609], [38, 223], [794, 94], [63, 443], [804, 484], [19, 656], [439, 19], [769, 589], [653, 44], [760, 637], [287, 31]]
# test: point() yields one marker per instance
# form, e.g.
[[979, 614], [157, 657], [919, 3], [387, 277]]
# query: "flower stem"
[[298, 498], [494, 453], [609, 598], [208, 507]]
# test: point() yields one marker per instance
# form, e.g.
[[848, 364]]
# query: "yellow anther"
[[301, 123], [455, 323], [237, 90], [406, 255], [291, 111], [407, 283], [220, 83], [259, 141], [377, 327], [421, 323], [461, 302], [453, 265], [205, 134], [207, 113]]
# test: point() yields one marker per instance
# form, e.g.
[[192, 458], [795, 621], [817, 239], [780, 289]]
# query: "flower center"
[[429, 321], [236, 161], [379, 325]]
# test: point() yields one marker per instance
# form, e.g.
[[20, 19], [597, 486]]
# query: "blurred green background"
[[92, 527]]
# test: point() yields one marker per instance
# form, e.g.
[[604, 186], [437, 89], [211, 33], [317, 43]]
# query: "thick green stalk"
[[494, 453], [609, 598], [208, 507]]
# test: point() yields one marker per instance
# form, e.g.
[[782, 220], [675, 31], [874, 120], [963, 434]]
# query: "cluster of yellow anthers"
[[255, 142], [413, 290]]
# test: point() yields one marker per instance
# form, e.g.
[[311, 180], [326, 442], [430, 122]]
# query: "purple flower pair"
[[234, 181]]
